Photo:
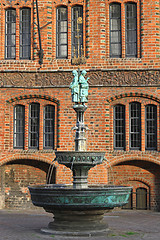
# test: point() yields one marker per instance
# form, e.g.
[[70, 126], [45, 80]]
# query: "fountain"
[[79, 208]]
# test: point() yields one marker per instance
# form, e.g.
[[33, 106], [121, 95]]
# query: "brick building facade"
[[121, 44]]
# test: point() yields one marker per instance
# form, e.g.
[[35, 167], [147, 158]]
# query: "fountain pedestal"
[[80, 138], [78, 223]]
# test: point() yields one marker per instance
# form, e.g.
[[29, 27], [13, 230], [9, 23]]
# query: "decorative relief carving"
[[123, 78], [96, 78]]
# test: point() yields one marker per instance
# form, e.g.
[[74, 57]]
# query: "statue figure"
[[83, 87], [79, 87], [75, 87]]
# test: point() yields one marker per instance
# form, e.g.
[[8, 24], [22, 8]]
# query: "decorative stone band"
[[96, 78], [84, 158]]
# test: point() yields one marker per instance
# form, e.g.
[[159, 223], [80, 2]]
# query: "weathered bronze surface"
[[53, 197]]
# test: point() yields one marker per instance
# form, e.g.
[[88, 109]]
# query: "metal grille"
[[34, 125], [19, 119], [62, 33], [25, 33], [131, 30], [151, 127], [135, 126], [115, 30], [77, 12], [119, 127], [49, 116], [10, 36]]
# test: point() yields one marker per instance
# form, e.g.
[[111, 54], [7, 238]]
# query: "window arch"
[[25, 33], [119, 127], [151, 127], [19, 126], [34, 111], [62, 32], [135, 125], [48, 127], [10, 33]]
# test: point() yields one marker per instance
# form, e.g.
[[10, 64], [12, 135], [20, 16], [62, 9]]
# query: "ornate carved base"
[[78, 223]]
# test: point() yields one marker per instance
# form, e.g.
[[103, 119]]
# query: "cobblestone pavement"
[[123, 224]]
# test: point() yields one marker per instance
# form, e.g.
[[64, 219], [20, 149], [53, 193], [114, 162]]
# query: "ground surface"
[[124, 224]]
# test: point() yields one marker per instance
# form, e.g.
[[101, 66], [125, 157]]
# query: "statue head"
[[84, 72], [74, 72]]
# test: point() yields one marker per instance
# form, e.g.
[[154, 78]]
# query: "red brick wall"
[[96, 36], [17, 178]]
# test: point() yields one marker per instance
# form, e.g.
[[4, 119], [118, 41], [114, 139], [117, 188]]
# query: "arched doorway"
[[17, 175], [144, 177], [141, 198]]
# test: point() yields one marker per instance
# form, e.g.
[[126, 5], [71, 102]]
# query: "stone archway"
[[16, 176], [139, 174]]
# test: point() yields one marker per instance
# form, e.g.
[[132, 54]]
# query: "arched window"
[[119, 127], [77, 28], [131, 29], [135, 125], [19, 121], [10, 34], [25, 33], [115, 30], [62, 33], [151, 127], [34, 109], [48, 131]]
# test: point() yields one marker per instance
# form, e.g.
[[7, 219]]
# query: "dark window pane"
[[19, 120], [10, 34], [119, 127], [62, 32], [135, 126], [151, 127], [34, 125], [77, 30], [49, 116], [131, 29], [115, 30], [25, 33]]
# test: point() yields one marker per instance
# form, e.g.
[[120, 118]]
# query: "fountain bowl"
[[78, 212], [61, 196]]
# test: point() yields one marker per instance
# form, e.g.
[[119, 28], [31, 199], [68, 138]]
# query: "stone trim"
[[131, 94], [96, 78], [33, 96]]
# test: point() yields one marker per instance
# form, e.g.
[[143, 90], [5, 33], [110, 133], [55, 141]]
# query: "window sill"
[[16, 61], [130, 152], [32, 150]]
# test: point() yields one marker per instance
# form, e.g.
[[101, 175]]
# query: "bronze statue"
[[79, 87], [75, 87]]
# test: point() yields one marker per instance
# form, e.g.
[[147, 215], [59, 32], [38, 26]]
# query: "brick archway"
[[17, 175], [138, 174], [146, 157]]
